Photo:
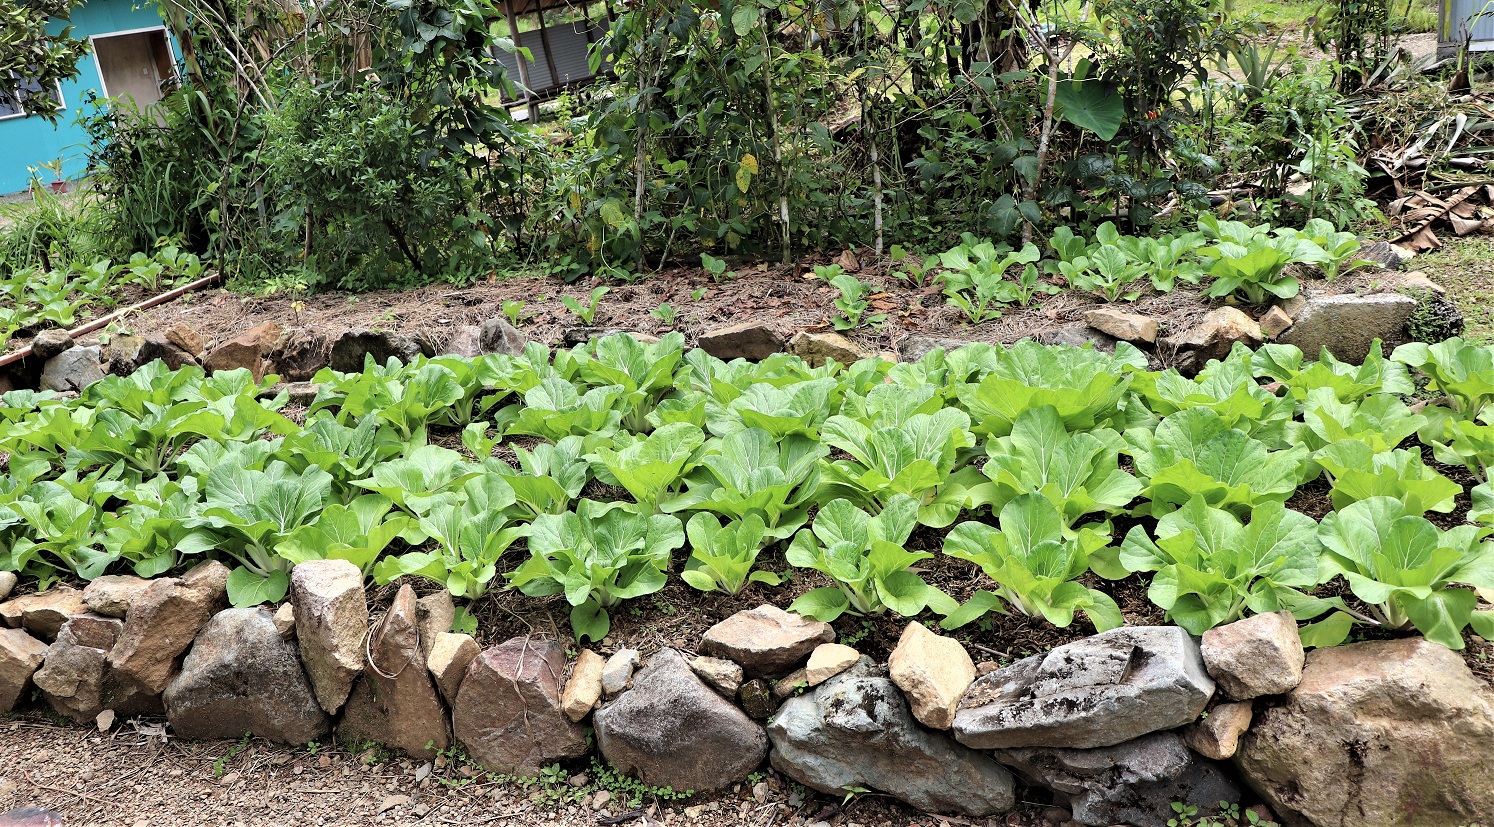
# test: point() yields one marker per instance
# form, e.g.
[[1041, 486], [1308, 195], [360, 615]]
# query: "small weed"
[[1230, 815], [665, 313], [514, 310], [221, 764], [586, 313]]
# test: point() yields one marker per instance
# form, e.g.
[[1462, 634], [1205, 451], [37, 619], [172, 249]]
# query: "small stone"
[[72, 370], [20, 656], [618, 671], [916, 346], [1213, 338], [818, 348], [767, 641], [1383, 253], [465, 341], [757, 699], [49, 343], [184, 337], [1274, 323], [599, 799], [436, 612], [331, 613], [582, 335], [249, 350], [353, 346], [791, 684], [1412, 281], [156, 346], [724, 675], [32, 817], [450, 655], [43, 613], [584, 688], [285, 621], [508, 712], [394, 702], [933, 671], [299, 354], [1130, 327], [828, 660], [1260, 655], [753, 341], [986, 667], [113, 594], [1077, 335], [498, 336], [7, 583], [393, 801], [1217, 736]]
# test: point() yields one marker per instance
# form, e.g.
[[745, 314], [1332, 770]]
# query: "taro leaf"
[[1091, 104]]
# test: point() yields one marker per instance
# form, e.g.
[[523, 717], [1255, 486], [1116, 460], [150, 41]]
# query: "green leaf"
[[245, 588], [824, 604], [1091, 104]]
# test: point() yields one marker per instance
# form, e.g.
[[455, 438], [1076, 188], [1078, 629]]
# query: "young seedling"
[[587, 313]]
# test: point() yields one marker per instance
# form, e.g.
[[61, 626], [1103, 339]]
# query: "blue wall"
[[27, 142]]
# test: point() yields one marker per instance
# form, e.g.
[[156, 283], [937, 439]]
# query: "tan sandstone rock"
[[1218, 735], [584, 688], [828, 660], [933, 671], [767, 641], [394, 702], [331, 614], [450, 655]]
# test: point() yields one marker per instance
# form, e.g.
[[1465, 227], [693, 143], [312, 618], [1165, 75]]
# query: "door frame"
[[98, 66]]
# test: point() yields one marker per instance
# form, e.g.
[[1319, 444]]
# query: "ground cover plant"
[[1018, 459]]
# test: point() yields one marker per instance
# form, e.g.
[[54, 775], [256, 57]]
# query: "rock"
[[113, 594], [498, 336], [299, 353], [1097, 692], [753, 341], [1409, 282], [1260, 655], [331, 621], [581, 335], [1213, 338], [72, 370], [791, 684], [618, 671], [1218, 735], [184, 337], [350, 349], [1130, 327], [285, 621], [584, 688], [671, 730], [855, 730], [916, 346], [394, 702], [162, 622], [1348, 324], [241, 677], [767, 641], [31, 817], [757, 699], [250, 350], [1077, 335], [20, 656], [1131, 783], [157, 346], [508, 712], [96, 631], [1387, 733], [450, 655], [435, 612], [72, 677], [120, 353], [818, 348], [49, 343], [933, 671], [1435, 319], [7, 583], [43, 613], [828, 660], [1384, 254], [465, 341], [1274, 322], [724, 675]]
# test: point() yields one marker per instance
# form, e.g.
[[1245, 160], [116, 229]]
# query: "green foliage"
[[722, 557], [1195, 453], [587, 313], [974, 277], [852, 304], [33, 60]]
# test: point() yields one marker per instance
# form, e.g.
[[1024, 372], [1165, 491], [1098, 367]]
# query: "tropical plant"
[[722, 557]]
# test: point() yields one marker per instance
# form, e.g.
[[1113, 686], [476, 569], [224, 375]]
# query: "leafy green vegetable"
[[1358, 472], [471, 529], [722, 557], [751, 473], [1085, 386], [1226, 387], [1349, 382], [1461, 371], [1194, 452], [651, 467]]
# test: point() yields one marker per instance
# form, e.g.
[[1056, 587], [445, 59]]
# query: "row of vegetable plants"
[[1021, 458]]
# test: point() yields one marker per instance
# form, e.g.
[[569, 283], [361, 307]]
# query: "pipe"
[[104, 321]]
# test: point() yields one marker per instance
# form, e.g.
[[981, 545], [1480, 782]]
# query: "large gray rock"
[[767, 641], [855, 730], [508, 711], [162, 622], [20, 656], [395, 703], [750, 340], [331, 615], [1132, 783], [1260, 655], [349, 350], [1382, 734], [1077, 335], [1097, 692], [242, 677], [671, 730], [73, 369], [498, 336], [1348, 324]]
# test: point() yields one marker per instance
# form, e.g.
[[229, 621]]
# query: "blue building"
[[132, 55]]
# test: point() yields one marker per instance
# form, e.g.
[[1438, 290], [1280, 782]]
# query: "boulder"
[[43, 613], [618, 671], [435, 613], [1077, 335], [916, 346], [933, 671], [72, 678], [162, 622], [1217, 736], [331, 620], [855, 730], [299, 353], [156, 345], [72, 370], [241, 677], [1098, 692], [465, 342], [120, 353], [1132, 783], [818, 348], [508, 712], [1212, 338], [724, 675], [828, 660], [1274, 322], [49, 343], [450, 655], [498, 336], [1348, 324], [250, 350], [671, 730], [20, 656], [753, 341], [351, 348], [1130, 327], [184, 337], [584, 689], [113, 594], [1260, 655], [8, 582], [394, 702], [767, 641], [1380, 734]]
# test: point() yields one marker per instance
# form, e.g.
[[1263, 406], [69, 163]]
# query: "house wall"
[[29, 141]]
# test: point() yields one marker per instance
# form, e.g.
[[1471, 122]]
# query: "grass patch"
[[1465, 266]]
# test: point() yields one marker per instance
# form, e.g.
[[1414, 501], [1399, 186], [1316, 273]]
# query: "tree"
[[33, 61]]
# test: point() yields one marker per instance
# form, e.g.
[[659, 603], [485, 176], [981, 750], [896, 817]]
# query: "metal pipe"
[[105, 320]]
